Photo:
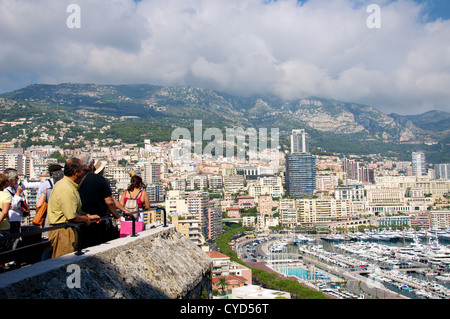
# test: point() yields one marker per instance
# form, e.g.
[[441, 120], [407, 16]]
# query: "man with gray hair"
[[96, 198]]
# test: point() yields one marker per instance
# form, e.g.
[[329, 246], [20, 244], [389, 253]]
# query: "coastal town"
[[336, 219]]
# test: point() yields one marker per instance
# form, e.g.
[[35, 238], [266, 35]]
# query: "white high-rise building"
[[299, 141], [418, 164], [442, 171]]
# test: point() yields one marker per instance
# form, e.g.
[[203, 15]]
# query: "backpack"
[[132, 204]]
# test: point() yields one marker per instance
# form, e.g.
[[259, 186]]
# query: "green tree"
[[222, 284], [58, 156]]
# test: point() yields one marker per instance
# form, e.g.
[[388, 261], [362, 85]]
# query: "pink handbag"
[[126, 227]]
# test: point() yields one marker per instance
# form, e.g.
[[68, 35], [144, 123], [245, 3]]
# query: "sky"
[[394, 56]]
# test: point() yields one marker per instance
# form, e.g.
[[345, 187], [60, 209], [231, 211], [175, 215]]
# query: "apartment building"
[[385, 195], [233, 183], [245, 202], [120, 174], [198, 205], [418, 164], [191, 228], [222, 266], [442, 171], [272, 186], [249, 221], [152, 173], [300, 175], [175, 203], [215, 225], [215, 181], [288, 212], [353, 193], [197, 181], [326, 182], [314, 212], [265, 204], [440, 219]]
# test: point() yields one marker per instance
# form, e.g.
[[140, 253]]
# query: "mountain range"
[[333, 126]]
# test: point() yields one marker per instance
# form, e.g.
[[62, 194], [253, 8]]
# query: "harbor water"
[[424, 275]]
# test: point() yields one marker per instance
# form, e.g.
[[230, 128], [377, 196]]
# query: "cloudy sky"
[[292, 49]]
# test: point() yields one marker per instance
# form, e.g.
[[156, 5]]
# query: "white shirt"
[[15, 212]]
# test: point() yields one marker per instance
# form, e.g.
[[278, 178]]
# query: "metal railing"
[[77, 227], [164, 211]]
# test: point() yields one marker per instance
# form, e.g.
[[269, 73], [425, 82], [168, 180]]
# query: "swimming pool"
[[297, 272]]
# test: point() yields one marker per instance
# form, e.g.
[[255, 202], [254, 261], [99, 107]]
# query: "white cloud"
[[321, 48]]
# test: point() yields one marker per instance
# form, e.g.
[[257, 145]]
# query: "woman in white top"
[[5, 204], [15, 189]]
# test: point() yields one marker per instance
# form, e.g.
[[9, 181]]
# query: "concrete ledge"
[[158, 263]]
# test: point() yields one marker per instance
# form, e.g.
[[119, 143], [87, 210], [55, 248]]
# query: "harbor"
[[384, 264]]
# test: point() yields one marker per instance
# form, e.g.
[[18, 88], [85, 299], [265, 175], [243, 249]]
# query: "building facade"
[[300, 175]]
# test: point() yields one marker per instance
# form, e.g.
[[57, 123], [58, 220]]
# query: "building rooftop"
[[215, 254]]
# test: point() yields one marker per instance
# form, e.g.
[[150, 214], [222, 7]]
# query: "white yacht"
[[444, 278]]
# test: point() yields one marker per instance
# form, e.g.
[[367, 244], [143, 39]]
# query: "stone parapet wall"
[[159, 263]]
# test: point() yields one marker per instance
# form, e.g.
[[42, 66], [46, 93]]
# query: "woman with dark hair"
[[136, 193]]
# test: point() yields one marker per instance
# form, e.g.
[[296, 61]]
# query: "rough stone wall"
[[159, 263]]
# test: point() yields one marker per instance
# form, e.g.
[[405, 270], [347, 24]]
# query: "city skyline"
[[290, 49]]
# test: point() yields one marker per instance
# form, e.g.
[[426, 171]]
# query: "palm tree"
[[222, 284]]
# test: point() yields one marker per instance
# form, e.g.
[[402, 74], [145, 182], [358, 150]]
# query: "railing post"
[[165, 216], [78, 252], [164, 211], [133, 226]]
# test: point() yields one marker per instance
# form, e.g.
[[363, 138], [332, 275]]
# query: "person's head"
[[74, 169], [136, 182], [88, 162], [12, 176], [56, 172], [99, 167], [3, 181]]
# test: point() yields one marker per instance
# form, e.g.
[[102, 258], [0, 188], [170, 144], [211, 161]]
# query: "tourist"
[[5, 204], [56, 174], [99, 167], [96, 198], [65, 206], [18, 208], [135, 192]]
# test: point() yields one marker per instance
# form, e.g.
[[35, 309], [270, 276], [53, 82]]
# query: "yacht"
[[444, 278], [301, 239]]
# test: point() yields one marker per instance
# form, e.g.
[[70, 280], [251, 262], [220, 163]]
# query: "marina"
[[414, 264]]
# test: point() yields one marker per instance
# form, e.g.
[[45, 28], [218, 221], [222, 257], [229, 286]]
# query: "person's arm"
[[86, 219], [31, 185], [112, 206], [121, 207], [16, 198], [145, 200], [122, 199], [40, 201]]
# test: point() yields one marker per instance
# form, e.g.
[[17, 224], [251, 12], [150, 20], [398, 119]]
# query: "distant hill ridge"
[[330, 122]]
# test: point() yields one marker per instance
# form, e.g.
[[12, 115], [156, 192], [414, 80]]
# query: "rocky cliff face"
[[158, 264]]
